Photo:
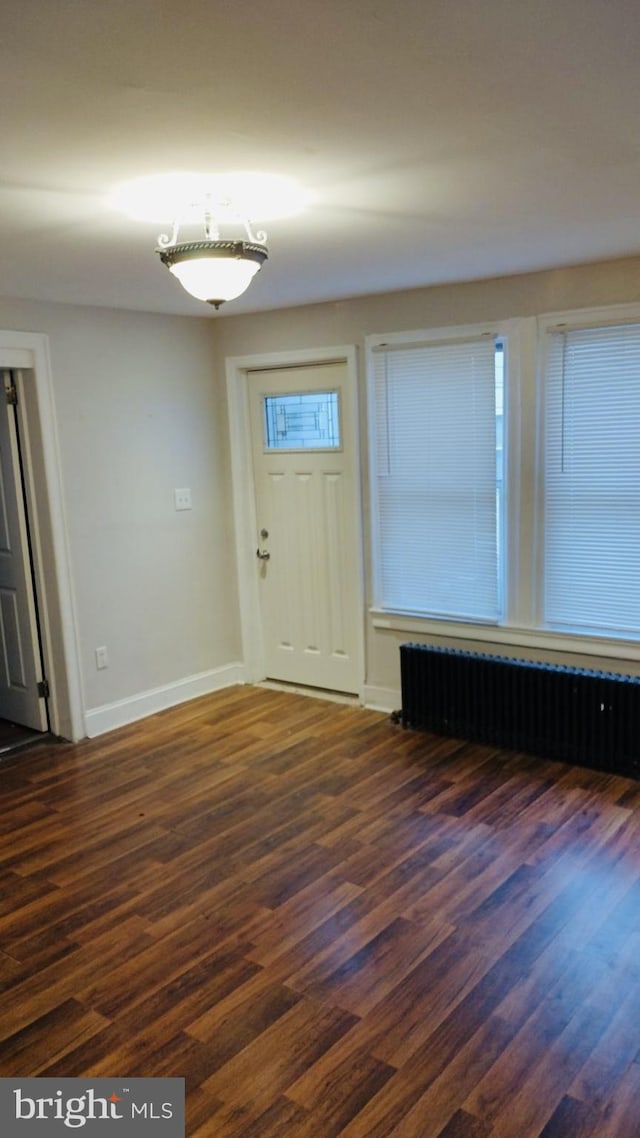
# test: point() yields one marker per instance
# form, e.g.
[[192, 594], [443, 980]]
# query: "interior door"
[[307, 544], [20, 665]]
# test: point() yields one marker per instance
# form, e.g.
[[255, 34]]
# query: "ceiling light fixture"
[[211, 247], [209, 266]]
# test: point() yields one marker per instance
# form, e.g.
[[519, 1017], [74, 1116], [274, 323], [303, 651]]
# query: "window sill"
[[607, 648]]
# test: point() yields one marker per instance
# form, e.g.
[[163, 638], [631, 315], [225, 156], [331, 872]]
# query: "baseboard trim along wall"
[[381, 699], [99, 720]]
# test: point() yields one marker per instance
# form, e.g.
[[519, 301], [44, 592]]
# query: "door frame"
[[28, 353], [244, 499]]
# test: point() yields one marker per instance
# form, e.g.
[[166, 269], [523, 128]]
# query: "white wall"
[[349, 321], [140, 412]]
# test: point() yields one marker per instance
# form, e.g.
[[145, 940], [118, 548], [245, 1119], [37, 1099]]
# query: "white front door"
[[307, 540], [20, 666]]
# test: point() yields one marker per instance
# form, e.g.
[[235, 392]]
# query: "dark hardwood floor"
[[327, 925]]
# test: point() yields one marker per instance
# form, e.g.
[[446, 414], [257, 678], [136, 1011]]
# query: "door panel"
[[306, 503]]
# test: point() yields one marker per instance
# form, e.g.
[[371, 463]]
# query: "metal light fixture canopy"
[[213, 268]]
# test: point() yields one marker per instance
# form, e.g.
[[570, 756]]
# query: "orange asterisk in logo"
[[114, 1097]]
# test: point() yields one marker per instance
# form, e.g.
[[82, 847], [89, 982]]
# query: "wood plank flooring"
[[326, 924]]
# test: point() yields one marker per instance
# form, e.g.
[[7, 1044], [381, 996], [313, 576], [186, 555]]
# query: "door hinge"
[[12, 395], [43, 689]]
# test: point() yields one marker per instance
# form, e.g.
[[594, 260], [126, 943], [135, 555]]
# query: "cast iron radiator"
[[579, 716]]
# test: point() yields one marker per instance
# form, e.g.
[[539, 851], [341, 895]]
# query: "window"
[[308, 420], [591, 477], [505, 481], [437, 473]]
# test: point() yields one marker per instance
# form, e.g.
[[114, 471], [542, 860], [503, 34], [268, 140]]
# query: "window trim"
[[509, 636], [568, 321], [503, 331], [525, 340]]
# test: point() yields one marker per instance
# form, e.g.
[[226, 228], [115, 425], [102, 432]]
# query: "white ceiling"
[[441, 140]]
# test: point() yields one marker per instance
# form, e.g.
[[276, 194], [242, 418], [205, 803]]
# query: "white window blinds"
[[591, 573], [434, 465]]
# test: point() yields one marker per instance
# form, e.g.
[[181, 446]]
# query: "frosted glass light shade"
[[215, 279], [214, 271]]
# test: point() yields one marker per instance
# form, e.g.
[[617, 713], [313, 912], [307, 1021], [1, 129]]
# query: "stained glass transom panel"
[[304, 421]]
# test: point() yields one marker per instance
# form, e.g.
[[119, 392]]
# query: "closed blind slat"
[[592, 480], [435, 468]]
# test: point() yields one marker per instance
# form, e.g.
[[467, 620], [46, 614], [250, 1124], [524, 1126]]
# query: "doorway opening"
[[14, 738], [38, 639], [24, 690]]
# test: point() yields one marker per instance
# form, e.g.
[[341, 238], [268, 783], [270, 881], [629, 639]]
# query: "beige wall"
[[349, 321], [139, 413], [141, 409]]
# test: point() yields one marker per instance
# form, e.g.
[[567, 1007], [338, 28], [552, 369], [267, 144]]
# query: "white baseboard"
[[381, 699], [98, 720]]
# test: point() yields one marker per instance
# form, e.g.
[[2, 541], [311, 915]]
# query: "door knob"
[[263, 554]]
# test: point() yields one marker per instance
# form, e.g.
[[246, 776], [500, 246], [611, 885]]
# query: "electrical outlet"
[[182, 499], [102, 658]]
